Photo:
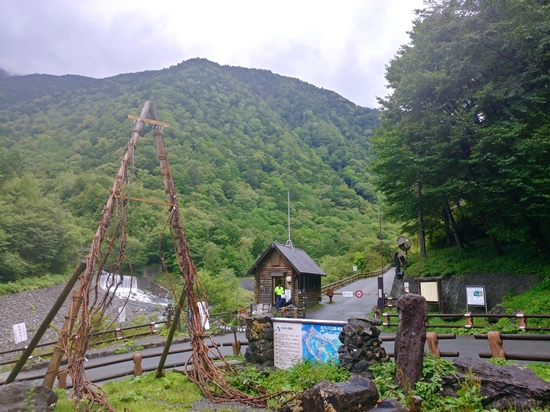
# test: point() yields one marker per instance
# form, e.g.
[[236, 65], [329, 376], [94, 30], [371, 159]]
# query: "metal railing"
[[354, 278]]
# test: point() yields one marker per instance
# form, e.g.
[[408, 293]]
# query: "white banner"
[[203, 310], [121, 314], [20, 332]]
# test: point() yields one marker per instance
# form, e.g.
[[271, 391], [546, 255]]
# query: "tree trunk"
[[421, 238], [452, 222]]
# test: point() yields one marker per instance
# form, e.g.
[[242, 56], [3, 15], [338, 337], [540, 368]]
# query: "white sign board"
[[287, 296], [475, 295], [347, 294], [203, 310], [20, 332], [430, 291], [287, 341], [121, 314]]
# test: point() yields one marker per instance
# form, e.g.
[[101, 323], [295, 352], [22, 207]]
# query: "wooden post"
[[521, 320], [469, 320], [495, 342], [76, 359], [138, 370], [62, 378], [431, 337]]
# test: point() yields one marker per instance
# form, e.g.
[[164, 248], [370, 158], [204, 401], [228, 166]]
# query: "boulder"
[[356, 395], [26, 396], [410, 339], [505, 387]]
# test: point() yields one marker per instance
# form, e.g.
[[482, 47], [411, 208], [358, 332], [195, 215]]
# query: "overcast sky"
[[338, 45]]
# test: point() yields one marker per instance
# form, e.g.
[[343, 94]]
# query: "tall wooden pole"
[[185, 262], [92, 258]]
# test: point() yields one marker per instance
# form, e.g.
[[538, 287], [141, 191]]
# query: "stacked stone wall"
[[361, 346], [259, 332]]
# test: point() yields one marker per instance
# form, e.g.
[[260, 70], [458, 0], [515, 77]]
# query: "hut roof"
[[298, 259]]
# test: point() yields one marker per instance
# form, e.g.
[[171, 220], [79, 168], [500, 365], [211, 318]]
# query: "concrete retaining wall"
[[497, 285]]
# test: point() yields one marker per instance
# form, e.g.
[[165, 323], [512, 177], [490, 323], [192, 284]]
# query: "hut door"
[[277, 278]]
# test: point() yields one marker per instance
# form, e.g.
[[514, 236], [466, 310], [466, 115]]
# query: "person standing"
[[279, 291]]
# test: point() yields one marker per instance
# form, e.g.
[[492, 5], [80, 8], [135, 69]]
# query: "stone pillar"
[[410, 339], [361, 345], [259, 332]]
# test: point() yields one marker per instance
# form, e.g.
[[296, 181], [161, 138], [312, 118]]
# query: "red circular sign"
[[358, 294]]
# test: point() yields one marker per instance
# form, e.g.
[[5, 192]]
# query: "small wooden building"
[[290, 267]]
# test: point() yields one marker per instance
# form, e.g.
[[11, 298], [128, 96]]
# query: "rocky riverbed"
[[31, 308]]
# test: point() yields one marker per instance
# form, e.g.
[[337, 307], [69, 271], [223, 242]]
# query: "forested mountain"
[[466, 136], [239, 140]]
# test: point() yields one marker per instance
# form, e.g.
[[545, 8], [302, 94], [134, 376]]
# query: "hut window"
[[276, 259], [310, 282]]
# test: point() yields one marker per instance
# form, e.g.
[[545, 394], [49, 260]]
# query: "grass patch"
[[33, 283], [146, 394], [295, 379]]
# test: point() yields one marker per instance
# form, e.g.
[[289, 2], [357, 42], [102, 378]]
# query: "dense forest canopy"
[[239, 140], [466, 129]]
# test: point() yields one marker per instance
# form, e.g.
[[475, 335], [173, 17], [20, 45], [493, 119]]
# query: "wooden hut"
[[290, 267]]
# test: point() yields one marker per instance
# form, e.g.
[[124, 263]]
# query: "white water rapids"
[[128, 289]]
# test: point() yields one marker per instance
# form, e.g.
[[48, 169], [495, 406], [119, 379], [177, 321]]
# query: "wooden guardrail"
[[118, 335], [469, 319], [354, 278], [137, 357], [497, 351]]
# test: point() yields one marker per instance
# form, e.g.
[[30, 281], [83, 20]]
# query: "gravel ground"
[[31, 307]]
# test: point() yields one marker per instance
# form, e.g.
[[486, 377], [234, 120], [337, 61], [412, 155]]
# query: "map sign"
[[298, 341], [320, 342]]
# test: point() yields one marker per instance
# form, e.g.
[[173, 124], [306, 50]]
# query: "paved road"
[[345, 308], [341, 309]]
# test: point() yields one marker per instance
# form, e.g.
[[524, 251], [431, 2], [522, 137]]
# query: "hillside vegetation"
[[465, 141], [239, 141]]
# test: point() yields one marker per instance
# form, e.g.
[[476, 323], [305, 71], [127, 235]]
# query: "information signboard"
[[20, 332], [296, 340], [475, 296]]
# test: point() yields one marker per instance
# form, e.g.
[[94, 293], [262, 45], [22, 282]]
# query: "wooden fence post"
[[521, 320], [432, 339], [469, 320], [62, 378], [495, 342], [138, 370]]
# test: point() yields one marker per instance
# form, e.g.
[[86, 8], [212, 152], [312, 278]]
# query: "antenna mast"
[[288, 242]]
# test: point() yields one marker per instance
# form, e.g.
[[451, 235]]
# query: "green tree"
[[467, 119]]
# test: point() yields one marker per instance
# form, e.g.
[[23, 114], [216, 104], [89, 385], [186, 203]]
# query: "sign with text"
[[430, 291], [20, 332], [295, 341], [475, 295]]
